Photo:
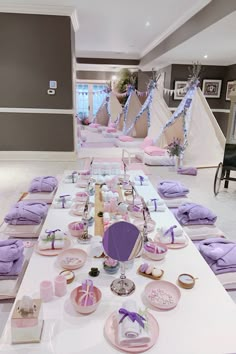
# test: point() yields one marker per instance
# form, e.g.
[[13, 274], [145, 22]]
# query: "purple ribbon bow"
[[134, 316], [63, 199], [51, 233], [141, 178], [171, 231], [154, 200]]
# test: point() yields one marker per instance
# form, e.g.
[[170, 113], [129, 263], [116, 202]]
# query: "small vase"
[[178, 162]]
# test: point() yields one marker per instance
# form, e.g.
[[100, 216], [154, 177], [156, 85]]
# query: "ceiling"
[[218, 42], [117, 28]]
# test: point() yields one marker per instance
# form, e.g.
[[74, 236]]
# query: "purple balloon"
[[122, 241]]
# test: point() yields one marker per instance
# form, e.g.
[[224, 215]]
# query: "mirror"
[[123, 242]]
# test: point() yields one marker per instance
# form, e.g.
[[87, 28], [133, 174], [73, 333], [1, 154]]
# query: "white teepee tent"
[[114, 107], [155, 107], [133, 108], [159, 113], [109, 110], [195, 125], [102, 116]]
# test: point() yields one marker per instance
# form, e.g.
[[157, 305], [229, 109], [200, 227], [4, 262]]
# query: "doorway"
[[89, 97]]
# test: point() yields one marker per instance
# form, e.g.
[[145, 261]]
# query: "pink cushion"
[[125, 138], [111, 130], [94, 125], [112, 125], [154, 151], [146, 142]]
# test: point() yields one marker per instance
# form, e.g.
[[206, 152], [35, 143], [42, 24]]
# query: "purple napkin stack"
[[11, 257], [220, 254], [43, 184], [172, 189], [192, 171], [195, 214], [26, 213]]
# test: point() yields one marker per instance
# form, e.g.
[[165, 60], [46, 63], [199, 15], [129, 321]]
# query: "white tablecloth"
[[204, 321]]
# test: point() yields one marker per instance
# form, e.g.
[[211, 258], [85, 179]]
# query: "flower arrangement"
[[175, 148]]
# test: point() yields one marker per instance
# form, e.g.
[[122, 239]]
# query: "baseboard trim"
[[38, 156]]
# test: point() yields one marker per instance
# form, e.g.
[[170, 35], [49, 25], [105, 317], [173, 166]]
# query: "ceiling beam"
[[106, 61], [210, 14]]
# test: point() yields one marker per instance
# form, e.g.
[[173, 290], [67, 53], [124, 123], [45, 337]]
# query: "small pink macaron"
[[149, 269]]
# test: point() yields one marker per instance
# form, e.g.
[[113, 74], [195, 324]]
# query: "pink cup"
[[46, 290], [60, 285]]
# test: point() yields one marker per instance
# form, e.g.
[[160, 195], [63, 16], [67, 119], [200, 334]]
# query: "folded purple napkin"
[[195, 214], [219, 253], [192, 171], [26, 213], [172, 189], [43, 184]]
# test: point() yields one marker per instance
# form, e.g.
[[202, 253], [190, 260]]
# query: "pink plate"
[[72, 258], [82, 183], [110, 331], [162, 294], [53, 252], [174, 245]]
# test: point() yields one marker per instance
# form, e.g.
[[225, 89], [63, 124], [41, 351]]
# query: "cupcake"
[[110, 265]]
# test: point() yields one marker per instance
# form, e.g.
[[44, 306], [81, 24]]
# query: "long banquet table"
[[203, 322]]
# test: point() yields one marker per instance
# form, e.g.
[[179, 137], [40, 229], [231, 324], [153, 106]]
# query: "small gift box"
[[27, 321]]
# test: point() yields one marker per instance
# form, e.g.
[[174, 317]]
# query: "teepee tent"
[[159, 111], [109, 110], [155, 107], [195, 125], [114, 107], [102, 116], [131, 110]]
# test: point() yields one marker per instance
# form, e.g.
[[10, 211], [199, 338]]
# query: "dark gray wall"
[[40, 132], [181, 73], [34, 50]]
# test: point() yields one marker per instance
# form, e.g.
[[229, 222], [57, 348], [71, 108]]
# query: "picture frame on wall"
[[211, 88], [178, 85], [229, 87]]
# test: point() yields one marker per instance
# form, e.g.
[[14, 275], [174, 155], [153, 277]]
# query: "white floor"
[[16, 176]]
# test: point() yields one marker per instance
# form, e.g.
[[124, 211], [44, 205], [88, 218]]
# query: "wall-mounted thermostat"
[[51, 92], [52, 84]]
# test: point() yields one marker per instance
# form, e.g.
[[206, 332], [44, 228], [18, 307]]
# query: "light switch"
[[52, 84]]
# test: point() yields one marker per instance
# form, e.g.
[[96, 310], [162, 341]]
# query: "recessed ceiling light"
[[147, 24], [205, 56]]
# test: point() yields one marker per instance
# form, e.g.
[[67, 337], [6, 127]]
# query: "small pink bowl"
[[81, 196], [150, 225], [73, 231], [156, 256], [78, 208], [75, 299]]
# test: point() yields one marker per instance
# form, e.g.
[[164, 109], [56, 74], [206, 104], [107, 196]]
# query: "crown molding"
[[11, 7], [181, 20]]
